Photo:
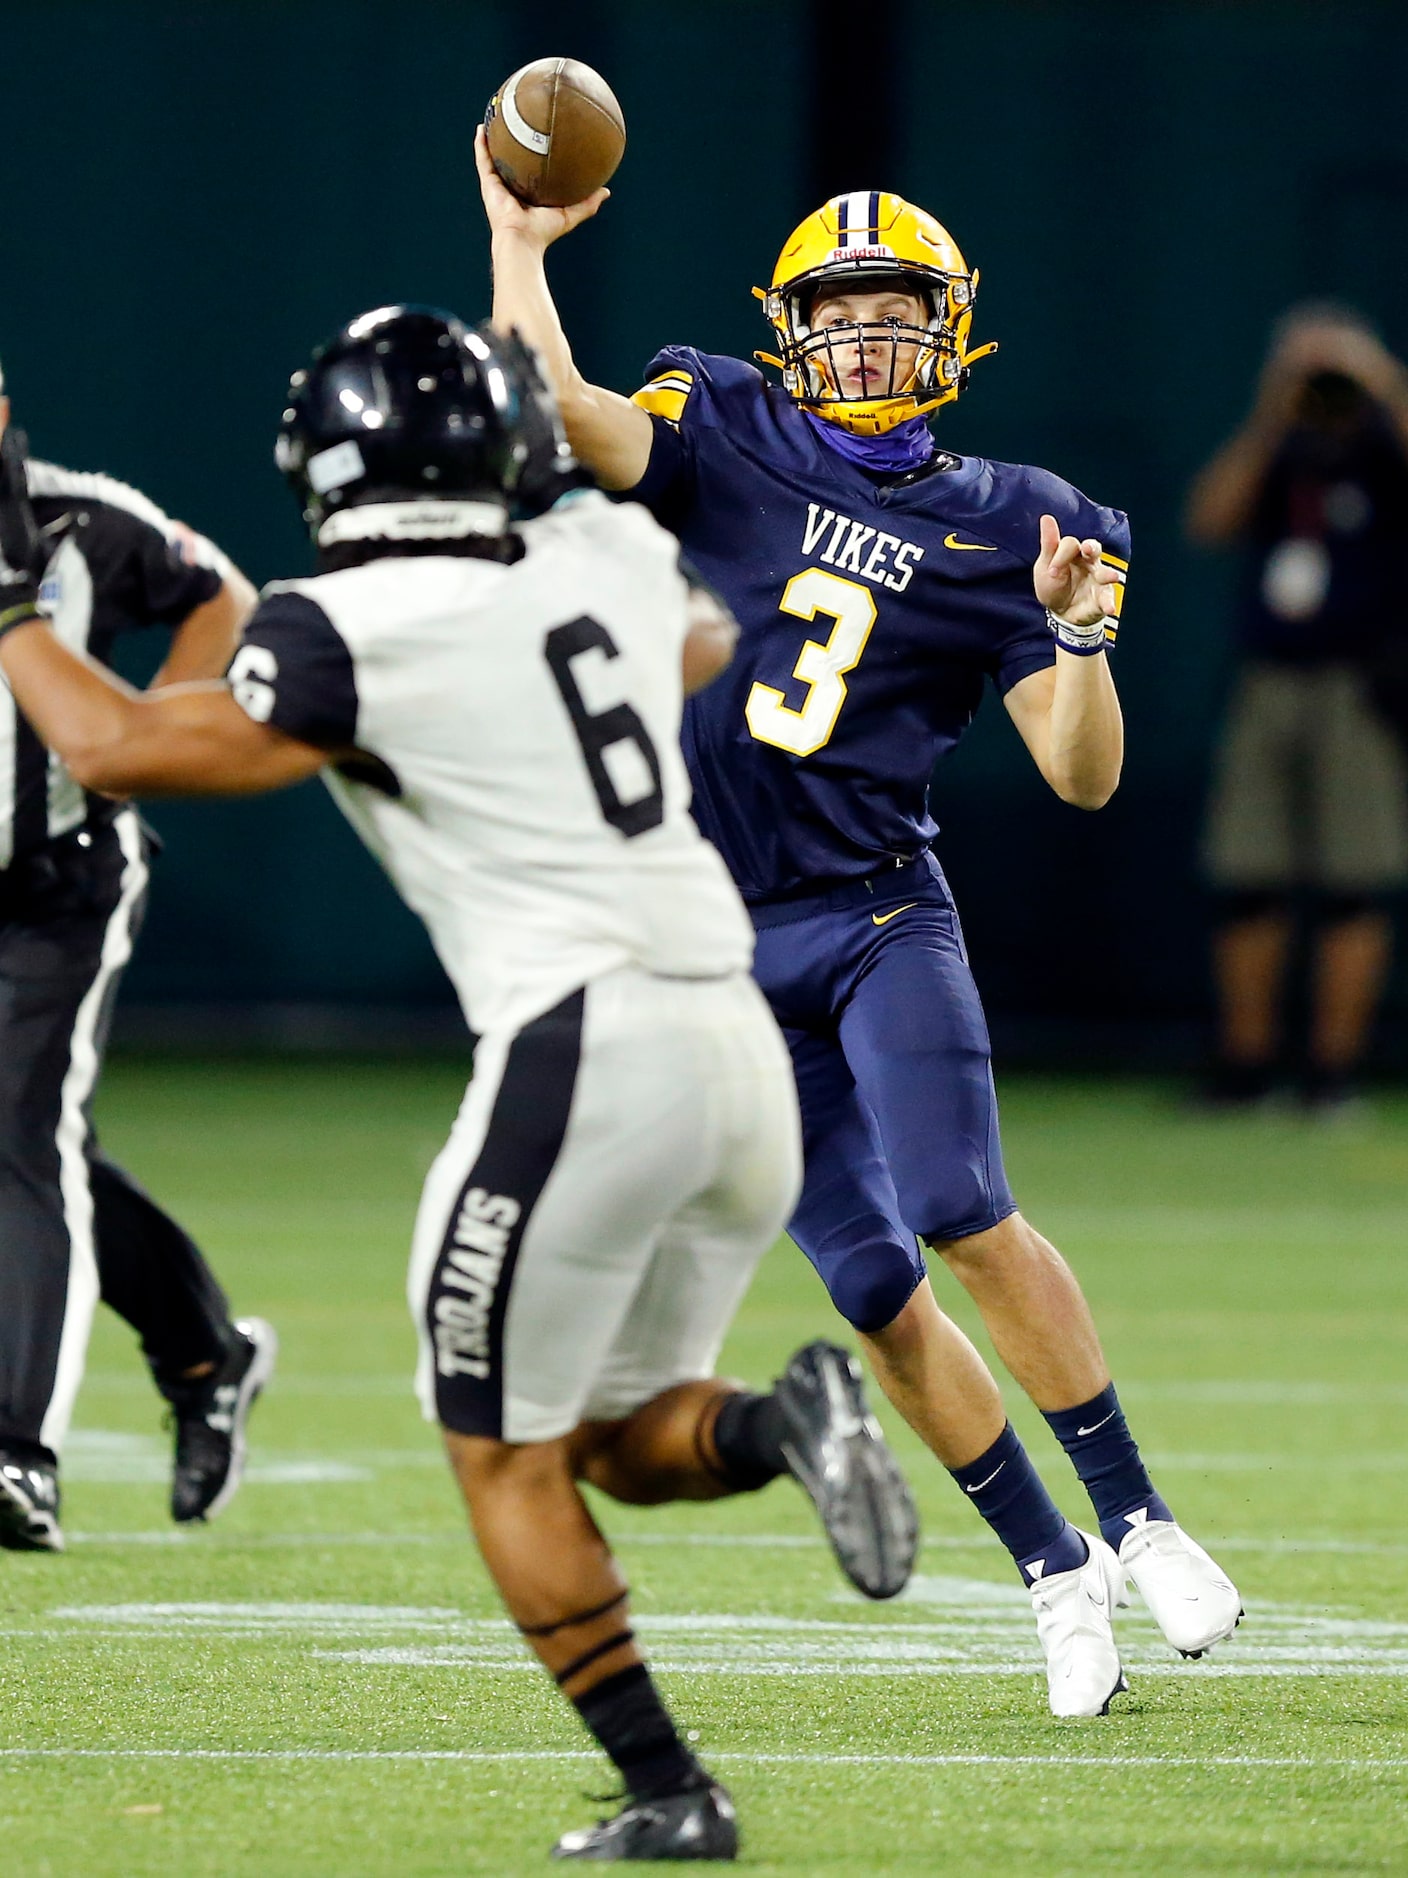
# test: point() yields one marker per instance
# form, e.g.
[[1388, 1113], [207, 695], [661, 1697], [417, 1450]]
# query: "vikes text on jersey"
[[889, 561]]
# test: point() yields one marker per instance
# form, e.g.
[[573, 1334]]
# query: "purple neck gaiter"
[[905, 447]]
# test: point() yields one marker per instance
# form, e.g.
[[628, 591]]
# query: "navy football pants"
[[871, 985]]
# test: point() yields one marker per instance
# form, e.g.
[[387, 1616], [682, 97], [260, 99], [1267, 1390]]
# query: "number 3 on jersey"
[[821, 667]]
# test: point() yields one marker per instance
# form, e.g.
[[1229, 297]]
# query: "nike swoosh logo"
[[883, 919], [1100, 1424], [970, 547], [990, 1479]]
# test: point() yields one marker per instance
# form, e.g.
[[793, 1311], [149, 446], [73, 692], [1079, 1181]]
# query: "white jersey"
[[519, 772]]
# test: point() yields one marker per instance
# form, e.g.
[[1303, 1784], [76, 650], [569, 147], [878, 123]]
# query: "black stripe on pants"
[[473, 1277]]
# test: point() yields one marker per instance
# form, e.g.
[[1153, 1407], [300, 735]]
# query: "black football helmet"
[[406, 403], [549, 469]]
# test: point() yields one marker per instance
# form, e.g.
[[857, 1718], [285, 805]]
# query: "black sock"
[[748, 1433], [635, 1731]]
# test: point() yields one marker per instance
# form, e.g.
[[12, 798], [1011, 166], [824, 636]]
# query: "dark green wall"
[[197, 193], [1144, 186]]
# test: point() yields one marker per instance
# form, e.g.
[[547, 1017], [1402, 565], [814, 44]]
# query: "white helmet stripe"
[[854, 219]]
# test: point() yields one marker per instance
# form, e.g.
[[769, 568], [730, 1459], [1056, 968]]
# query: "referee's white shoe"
[[29, 1506], [1074, 1621], [1190, 1597]]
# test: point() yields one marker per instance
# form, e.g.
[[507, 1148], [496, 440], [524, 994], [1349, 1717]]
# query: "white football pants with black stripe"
[[73, 1226], [618, 1168]]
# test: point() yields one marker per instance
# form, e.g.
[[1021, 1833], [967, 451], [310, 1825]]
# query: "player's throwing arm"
[[610, 434]]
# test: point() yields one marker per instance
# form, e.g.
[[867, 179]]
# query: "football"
[[555, 132]]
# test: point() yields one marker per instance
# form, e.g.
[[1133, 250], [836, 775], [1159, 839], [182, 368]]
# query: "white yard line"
[[761, 1541], [1243, 1392], [1305, 1461], [949, 1626], [1209, 1762]]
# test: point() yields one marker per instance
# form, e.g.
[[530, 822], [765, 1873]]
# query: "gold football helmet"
[[872, 239]]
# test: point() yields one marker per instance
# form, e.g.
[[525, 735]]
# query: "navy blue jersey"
[[870, 614]]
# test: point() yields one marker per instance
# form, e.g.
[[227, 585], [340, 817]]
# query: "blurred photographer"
[[1309, 807]]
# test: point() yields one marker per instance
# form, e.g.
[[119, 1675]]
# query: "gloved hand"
[[21, 548]]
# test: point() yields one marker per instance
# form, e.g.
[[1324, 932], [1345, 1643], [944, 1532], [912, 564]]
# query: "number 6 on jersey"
[[771, 719]]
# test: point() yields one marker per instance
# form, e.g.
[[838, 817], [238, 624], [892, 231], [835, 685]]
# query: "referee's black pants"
[[73, 1225]]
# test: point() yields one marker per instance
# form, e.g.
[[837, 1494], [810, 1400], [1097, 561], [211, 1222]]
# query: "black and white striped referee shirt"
[[117, 562]]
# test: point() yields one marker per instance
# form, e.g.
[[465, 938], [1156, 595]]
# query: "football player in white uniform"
[[497, 702]]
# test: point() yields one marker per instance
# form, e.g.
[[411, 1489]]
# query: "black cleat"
[[210, 1417], [836, 1451], [29, 1506], [700, 1824]]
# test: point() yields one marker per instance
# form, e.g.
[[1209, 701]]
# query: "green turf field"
[[320, 1684]]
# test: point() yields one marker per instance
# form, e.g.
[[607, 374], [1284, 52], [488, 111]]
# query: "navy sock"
[[1007, 1491], [1104, 1454]]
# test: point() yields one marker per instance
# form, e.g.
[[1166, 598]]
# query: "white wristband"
[[1082, 639]]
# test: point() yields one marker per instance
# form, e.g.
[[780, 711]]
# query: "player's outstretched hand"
[[508, 215], [1070, 578]]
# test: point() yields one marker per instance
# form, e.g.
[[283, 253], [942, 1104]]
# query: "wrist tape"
[[1082, 640], [17, 613]]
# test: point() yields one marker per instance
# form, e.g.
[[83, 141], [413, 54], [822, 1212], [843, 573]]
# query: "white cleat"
[[1074, 1617], [1190, 1597]]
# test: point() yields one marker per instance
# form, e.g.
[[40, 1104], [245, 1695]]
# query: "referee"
[[73, 887]]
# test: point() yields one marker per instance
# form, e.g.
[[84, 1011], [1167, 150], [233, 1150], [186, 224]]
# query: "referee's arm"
[[205, 641]]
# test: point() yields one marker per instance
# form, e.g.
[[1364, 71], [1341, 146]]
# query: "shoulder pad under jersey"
[[680, 376]]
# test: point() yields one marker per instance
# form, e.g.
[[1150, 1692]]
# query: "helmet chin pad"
[[872, 418]]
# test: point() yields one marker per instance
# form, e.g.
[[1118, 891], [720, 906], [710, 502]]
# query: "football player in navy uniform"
[[499, 695], [878, 581]]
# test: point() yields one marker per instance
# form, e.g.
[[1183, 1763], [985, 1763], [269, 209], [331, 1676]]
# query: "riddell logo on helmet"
[[881, 253]]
